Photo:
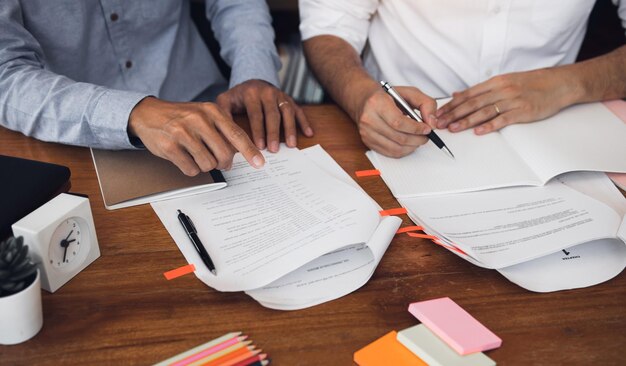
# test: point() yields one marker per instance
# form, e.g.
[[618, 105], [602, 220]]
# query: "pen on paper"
[[411, 113], [191, 232]]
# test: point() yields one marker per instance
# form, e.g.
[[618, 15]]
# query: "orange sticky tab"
[[367, 173], [393, 211], [423, 236], [170, 275], [450, 247], [409, 228]]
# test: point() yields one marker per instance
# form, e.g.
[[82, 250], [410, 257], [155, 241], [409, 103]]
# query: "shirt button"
[[488, 73], [114, 17], [128, 64], [496, 10]]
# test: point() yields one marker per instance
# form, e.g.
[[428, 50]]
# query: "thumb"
[[426, 105]]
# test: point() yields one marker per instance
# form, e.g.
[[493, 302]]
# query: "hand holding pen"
[[384, 127], [406, 108]]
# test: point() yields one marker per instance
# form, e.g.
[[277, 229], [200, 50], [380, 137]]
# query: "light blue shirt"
[[71, 71]]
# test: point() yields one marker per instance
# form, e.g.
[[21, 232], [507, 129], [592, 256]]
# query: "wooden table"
[[121, 310]]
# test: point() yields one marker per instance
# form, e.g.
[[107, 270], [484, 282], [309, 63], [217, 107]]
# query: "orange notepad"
[[385, 351]]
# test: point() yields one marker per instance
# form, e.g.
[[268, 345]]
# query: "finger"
[[503, 120], [212, 137], [303, 122], [272, 121], [398, 137], [395, 119], [426, 105], [461, 97], [255, 116], [289, 122], [173, 152], [240, 141], [470, 106], [482, 115], [226, 103], [383, 145], [191, 142]]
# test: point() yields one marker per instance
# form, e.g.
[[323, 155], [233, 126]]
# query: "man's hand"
[[387, 130], [507, 99], [267, 107], [194, 136]]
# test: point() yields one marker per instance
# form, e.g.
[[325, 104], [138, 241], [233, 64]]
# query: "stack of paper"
[[294, 234], [564, 234]]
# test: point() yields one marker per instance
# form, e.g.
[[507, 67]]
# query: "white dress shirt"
[[442, 46]]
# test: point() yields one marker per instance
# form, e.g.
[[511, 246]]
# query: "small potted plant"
[[21, 316]]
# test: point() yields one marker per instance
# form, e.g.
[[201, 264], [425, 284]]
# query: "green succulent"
[[16, 269]]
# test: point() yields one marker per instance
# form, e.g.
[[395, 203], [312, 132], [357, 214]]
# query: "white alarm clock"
[[61, 237]]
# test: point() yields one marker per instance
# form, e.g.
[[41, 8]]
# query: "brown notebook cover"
[[134, 177]]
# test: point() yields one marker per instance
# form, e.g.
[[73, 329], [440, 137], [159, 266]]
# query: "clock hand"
[[65, 253], [68, 235], [69, 241]]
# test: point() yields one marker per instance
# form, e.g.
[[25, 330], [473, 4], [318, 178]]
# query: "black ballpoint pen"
[[190, 229], [411, 113]]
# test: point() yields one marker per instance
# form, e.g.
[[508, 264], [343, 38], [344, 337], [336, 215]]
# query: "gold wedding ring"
[[282, 103], [496, 108]]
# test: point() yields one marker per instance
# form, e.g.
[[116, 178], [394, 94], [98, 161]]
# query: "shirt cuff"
[[109, 119], [255, 64]]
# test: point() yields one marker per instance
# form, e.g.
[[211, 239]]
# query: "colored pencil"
[[246, 351], [252, 360], [211, 350], [233, 361], [222, 353], [175, 359]]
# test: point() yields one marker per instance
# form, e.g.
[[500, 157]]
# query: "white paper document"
[[580, 138], [570, 233], [507, 226], [286, 224]]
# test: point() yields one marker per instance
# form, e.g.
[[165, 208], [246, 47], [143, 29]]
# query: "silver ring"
[[497, 109], [282, 103]]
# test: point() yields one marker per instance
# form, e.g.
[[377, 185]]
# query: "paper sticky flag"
[[393, 211], [454, 326], [422, 236], [367, 173], [435, 352], [406, 229], [181, 271], [386, 351]]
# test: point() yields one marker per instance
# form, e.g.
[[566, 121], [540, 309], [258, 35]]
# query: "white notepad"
[[582, 137]]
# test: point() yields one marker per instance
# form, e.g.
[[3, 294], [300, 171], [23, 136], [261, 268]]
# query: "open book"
[[135, 177], [296, 233], [584, 137]]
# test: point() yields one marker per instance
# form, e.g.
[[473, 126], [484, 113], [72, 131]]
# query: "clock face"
[[65, 244]]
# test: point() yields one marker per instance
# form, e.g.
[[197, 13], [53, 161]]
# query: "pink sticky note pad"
[[455, 326]]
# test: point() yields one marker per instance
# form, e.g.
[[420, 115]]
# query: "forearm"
[[244, 31], [597, 79], [51, 107], [340, 70]]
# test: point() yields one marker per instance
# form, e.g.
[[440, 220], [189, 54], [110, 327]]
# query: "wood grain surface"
[[121, 310]]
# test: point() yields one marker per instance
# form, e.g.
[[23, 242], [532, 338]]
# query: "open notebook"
[[583, 137], [135, 177]]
